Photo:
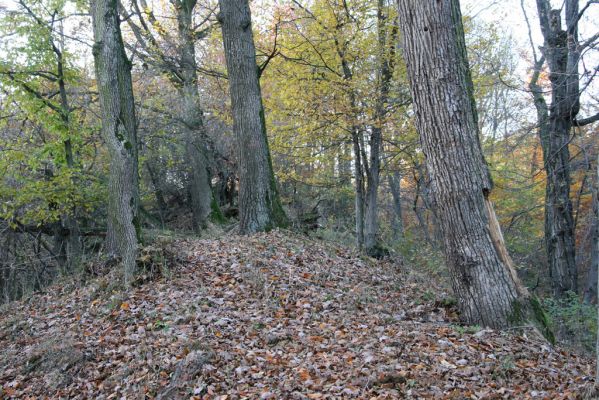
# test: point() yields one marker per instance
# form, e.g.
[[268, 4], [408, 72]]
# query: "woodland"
[[299, 199]]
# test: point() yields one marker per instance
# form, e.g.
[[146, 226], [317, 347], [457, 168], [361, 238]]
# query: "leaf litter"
[[270, 316]]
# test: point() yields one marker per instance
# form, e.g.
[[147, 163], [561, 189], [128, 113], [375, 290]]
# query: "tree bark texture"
[[484, 281], [73, 243], [359, 189], [397, 223], [561, 52], [113, 74], [259, 205], [192, 119], [590, 290], [387, 36]]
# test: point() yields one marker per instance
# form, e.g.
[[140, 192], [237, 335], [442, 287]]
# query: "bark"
[[596, 268], [397, 223], [192, 119], [561, 52], [386, 49], [590, 290], [483, 278], [158, 192], [113, 75], [69, 221], [359, 200], [259, 205]]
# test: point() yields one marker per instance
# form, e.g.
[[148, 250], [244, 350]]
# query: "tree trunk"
[[386, 57], [483, 278], [113, 74], [158, 192], [259, 205], [359, 189], [73, 242], [562, 54], [192, 120], [590, 290], [397, 223], [596, 266]]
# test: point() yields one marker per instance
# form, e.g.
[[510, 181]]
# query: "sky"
[[508, 15]]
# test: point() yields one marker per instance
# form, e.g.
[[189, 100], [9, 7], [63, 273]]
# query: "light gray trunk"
[[259, 205], [483, 278], [561, 52], [113, 74], [192, 119]]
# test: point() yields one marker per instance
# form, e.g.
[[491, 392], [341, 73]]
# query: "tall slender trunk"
[[73, 240], [562, 54], [359, 188], [590, 290], [387, 37], [192, 118], [397, 223], [596, 266], [158, 192], [113, 74], [483, 278], [259, 205]]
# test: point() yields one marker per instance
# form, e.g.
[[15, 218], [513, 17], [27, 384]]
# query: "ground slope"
[[270, 316]]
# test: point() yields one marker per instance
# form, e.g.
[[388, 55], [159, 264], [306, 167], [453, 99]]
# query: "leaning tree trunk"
[[483, 278], [113, 74], [562, 54], [259, 205], [192, 120]]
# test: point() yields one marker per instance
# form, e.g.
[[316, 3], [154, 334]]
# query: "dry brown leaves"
[[272, 316]]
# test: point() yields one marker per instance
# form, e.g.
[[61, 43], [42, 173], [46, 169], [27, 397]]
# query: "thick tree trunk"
[[192, 120], [259, 205], [484, 281], [562, 54], [113, 74]]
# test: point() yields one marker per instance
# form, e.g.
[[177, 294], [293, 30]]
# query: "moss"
[[541, 319], [531, 313], [278, 214], [216, 215]]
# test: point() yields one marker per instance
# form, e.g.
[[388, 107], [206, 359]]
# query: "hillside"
[[272, 316]]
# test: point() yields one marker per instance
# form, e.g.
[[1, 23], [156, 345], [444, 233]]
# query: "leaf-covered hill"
[[272, 316]]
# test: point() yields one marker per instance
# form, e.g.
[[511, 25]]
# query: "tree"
[[157, 45], [488, 290], [259, 205], [562, 52], [386, 35], [39, 72], [113, 75]]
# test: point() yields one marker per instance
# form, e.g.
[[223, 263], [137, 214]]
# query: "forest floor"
[[273, 316]]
